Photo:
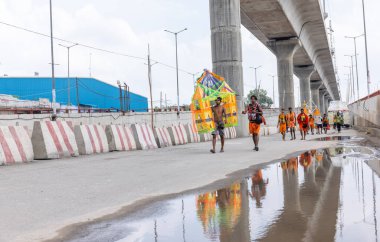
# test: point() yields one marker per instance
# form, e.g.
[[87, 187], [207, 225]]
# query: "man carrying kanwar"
[[219, 114], [282, 120], [255, 117], [291, 119], [303, 121]]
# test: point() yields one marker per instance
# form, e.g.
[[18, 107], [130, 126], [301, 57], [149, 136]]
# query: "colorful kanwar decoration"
[[208, 87]]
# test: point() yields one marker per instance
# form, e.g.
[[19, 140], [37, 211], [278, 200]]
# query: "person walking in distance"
[[339, 121], [255, 113], [303, 121], [318, 122], [219, 115], [311, 123], [291, 117], [325, 123], [282, 120]]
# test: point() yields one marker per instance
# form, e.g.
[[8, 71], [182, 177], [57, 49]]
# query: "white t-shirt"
[[318, 120]]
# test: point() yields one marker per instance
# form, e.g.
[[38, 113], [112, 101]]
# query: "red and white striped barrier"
[[178, 135], [53, 140], [120, 138], [163, 137], [15, 145], [232, 131], [144, 137], [91, 139], [206, 137], [194, 137]]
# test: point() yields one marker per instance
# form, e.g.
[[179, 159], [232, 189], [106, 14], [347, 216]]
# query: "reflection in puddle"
[[320, 195], [334, 138]]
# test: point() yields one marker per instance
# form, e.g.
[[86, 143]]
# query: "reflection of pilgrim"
[[258, 187]]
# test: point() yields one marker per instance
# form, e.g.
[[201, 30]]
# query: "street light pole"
[[252, 67], [53, 101], [366, 50], [356, 59], [273, 88], [176, 59], [68, 72], [353, 78], [351, 81]]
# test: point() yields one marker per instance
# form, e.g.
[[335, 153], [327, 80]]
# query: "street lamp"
[[352, 70], [366, 49], [176, 59], [353, 83], [252, 67], [356, 58], [68, 71], [54, 116]]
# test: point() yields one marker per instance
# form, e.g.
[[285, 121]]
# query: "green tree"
[[262, 96]]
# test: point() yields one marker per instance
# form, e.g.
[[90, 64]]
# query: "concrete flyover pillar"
[[322, 100], [284, 50], [314, 86], [226, 48], [304, 73]]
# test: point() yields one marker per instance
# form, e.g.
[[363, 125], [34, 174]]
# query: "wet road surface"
[[319, 195]]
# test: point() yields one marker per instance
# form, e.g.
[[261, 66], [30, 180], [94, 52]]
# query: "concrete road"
[[39, 198]]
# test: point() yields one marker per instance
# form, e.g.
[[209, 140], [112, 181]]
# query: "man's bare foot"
[[222, 150], [212, 151]]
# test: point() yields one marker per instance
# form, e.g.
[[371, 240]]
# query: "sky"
[[127, 27]]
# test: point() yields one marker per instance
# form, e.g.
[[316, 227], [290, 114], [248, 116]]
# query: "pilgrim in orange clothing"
[[311, 123], [291, 121], [282, 123], [303, 121], [255, 117]]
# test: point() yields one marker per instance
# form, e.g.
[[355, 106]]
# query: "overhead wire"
[[93, 47]]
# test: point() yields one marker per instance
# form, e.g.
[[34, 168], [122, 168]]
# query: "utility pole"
[[76, 84], [68, 72], [366, 50], [54, 116], [176, 58], [120, 96], [150, 85]]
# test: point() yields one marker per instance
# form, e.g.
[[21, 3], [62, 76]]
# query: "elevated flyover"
[[294, 30]]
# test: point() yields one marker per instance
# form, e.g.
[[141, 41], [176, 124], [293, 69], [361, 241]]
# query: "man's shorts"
[[319, 126], [254, 128], [282, 128], [218, 131], [312, 126]]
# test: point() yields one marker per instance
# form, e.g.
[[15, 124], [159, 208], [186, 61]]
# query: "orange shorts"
[[282, 128], [254, 128], [312, 126]]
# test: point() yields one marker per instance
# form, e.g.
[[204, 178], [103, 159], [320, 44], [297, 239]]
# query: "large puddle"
[[320, 195]]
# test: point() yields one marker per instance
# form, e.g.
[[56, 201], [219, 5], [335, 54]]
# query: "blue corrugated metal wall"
[[91, 91]]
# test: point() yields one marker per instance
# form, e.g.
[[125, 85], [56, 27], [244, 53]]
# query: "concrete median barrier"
[[91, 139], [144, 137], [120, 138], [162, 137], [53, 140], [15, 145]]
